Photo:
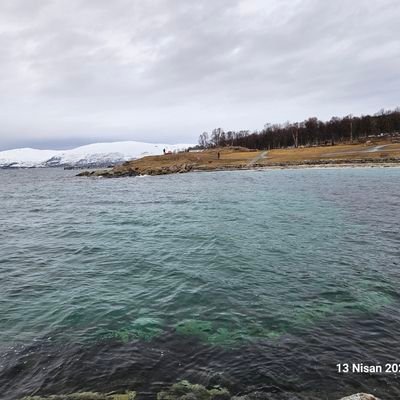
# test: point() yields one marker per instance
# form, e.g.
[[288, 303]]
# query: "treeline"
[[311, 132]]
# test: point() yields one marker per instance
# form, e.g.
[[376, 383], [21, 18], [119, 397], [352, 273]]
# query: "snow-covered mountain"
[[92, 155]]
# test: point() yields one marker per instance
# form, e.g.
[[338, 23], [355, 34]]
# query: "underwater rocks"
[[185, 390], [285, 396], [360, 396]]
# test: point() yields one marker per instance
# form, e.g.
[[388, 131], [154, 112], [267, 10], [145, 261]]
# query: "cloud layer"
[[77, 71]]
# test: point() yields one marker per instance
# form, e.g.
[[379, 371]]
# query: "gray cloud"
[[76, 71]]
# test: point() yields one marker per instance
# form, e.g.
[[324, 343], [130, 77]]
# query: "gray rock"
[[360, 396]]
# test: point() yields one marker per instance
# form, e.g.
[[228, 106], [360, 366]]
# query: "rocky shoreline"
[[185, 391]]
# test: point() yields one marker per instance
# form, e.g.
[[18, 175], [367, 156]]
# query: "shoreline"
[[306, 166], [111, 173], [240, 158]]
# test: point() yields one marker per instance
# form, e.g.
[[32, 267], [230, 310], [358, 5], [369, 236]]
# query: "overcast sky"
[[79, 71]]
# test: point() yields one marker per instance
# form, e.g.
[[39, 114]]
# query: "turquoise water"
[[226, 261]]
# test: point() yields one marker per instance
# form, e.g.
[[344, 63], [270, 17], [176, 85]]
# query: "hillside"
[[93, 155]]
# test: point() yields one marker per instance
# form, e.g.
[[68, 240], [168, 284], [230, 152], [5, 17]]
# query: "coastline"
[[110, 173], [331, 165], [239, 158]]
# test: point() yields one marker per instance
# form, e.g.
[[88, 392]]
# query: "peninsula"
[[372, 153]]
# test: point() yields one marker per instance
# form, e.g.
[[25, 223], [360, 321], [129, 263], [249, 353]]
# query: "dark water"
[[254, 280]]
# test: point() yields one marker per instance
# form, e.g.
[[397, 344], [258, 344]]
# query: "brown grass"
[[207, 159], [241, 158], [339, 152]]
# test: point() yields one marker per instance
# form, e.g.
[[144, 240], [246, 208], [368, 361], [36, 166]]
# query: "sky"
[[74, 72]]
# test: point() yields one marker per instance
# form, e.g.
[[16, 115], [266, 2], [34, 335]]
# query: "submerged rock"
[[186, 391], [360, 396], [267, 396]]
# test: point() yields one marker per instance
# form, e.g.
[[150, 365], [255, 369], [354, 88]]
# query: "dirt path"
[[369, 150], [376, 148], [258, 158]]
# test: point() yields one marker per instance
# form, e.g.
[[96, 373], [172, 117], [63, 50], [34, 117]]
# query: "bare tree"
[[203, 140], [295, 134]]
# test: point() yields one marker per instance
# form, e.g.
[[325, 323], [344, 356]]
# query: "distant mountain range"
[[92, 155]]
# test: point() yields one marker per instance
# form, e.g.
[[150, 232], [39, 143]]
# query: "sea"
[[264, 281]]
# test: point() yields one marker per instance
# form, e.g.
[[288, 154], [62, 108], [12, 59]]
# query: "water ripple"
[[254, 281]]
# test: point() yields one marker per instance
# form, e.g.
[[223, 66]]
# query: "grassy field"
[[346, 152]]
